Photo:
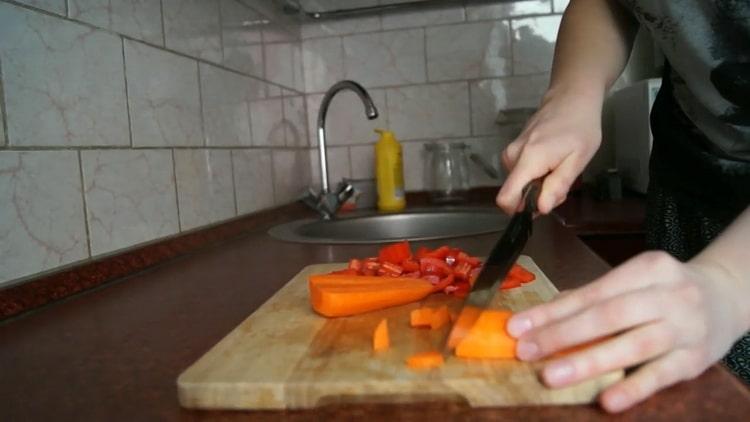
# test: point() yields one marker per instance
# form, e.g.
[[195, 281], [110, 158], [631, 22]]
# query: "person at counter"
[[679, 309]]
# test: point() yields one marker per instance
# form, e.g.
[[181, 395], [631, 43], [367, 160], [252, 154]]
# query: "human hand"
[[559, 139], [675, 319]]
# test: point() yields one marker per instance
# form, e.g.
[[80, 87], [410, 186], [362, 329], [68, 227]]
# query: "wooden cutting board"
[[285, 356]]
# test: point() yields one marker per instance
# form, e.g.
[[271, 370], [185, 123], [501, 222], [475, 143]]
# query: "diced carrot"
[[342, 295], [463, 324], [380, 339], [440, 317], [421, 317], [425, 360], [488, 338]]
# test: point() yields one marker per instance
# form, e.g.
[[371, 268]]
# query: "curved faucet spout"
[[370, 111]]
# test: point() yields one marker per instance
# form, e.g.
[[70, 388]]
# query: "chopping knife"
[[505, 252]]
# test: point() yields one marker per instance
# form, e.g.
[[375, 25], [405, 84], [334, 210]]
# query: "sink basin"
[[383, 228]]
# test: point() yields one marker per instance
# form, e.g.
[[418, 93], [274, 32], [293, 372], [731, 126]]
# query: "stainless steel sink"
[[382, 228]]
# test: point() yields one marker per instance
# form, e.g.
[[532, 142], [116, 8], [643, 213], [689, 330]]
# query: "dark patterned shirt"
[[707, 43]]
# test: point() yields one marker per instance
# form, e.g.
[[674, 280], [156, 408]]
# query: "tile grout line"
[[145, 148], [447, 81], [273, 175], [471, 109], [176, 192], [424, 54], [163, 25], [200, 104], [127, 96], [512, 43], [234, 183], [4, 143], [221, 31], [85, 204], [407, 28]]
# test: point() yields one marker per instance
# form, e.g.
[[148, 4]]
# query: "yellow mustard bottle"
[[389, 172]]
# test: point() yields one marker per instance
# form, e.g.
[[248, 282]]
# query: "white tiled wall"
[[435, 74], [131, 120]]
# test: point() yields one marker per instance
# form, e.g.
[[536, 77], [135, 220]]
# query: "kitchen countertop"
[[114, 353]]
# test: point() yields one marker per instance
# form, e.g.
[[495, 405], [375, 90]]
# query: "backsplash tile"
[[429, 111], [362, 159], [343, 26], [124, 210], [252, 170], [291, 174], [164, 97], [295, 121], [267, 122], [241, 37], [385, 58], [534, 44], [63, 82], [54, 6], [324, 63], [414, 165], [508, 9], [226, 106], [488, 97], [139, 19], [423, 17], [472, 50], [346, 123], [279, 62], [205, 191], [41, 212], [192, 27]]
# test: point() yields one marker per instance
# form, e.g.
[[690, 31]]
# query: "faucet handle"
[[344, 191]]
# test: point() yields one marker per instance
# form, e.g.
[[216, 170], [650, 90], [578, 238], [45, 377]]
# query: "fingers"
[[557, 184], [634, 347], [511, 153], [527, 168], [647, 380], [604, 318], [637, 273]]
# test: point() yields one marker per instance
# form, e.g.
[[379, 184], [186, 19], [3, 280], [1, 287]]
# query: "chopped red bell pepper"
[[413, 274], [439, 253], [391, 268], [395, 253], [410, 265], [371, 265], [422, 252], [432, 278], [434, 266], [462, 270], [510, 283], [464, 257], [445, 282]]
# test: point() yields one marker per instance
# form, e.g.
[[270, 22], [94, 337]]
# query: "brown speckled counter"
[[114, 353]]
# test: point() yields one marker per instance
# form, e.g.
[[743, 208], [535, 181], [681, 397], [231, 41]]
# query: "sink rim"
[[288, 231]]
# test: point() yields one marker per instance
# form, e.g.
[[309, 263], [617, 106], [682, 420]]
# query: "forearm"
[[729, 255], [593, 46]]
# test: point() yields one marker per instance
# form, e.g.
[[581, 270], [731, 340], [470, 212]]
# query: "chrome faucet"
[[327, 202]]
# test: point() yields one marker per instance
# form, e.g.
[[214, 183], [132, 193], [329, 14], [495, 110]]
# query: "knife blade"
[[505, 252]]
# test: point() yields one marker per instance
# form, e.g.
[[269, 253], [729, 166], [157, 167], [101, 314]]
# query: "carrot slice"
[[440, 317], [342, 295], [463, 324], [420, 317], [425, 360], [488, 338], [380, 339]]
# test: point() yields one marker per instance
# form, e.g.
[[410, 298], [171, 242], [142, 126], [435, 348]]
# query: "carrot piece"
[[421, 317], [488, 338], [463, 324], [342, 295], [380, 339], [440, 317], [425, 360]]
